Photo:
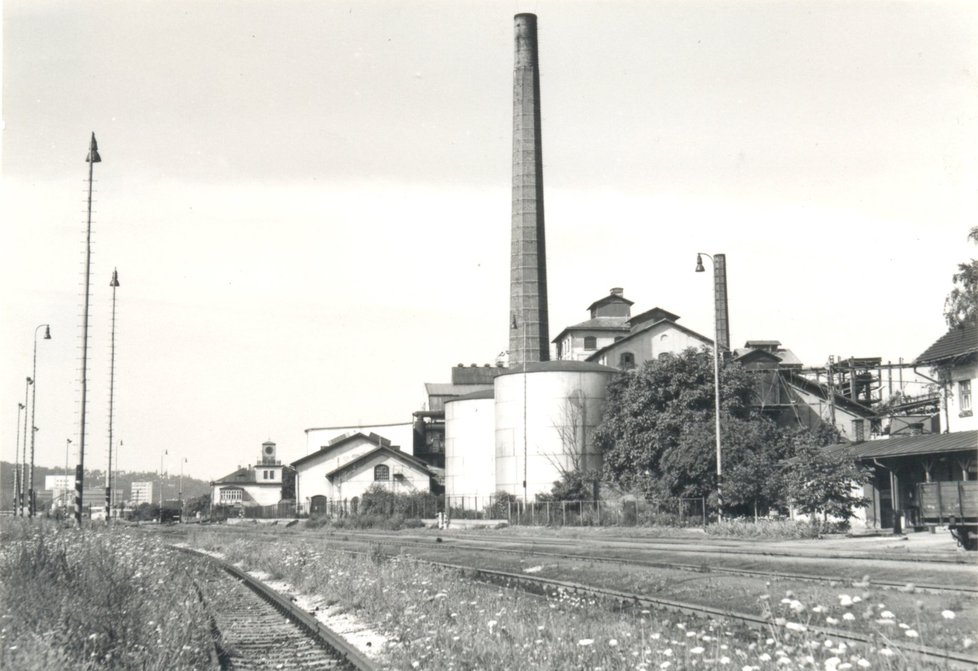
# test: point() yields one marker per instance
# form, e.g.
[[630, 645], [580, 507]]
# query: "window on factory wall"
[[626, 361], [590, 342], [382, 472], [964, 397]]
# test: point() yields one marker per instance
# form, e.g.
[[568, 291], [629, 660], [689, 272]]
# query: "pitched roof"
[[649, 327], [610, 298], [411, 461], [928, 443], [615, 324], [245, 476], [957, 342], [655, 314], [339, 440]]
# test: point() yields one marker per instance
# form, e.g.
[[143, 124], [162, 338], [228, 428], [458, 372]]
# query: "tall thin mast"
[[92, 159], [108, 474]]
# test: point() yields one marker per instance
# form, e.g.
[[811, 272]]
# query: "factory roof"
[[958, 342], [562, 366], [655, 314], [822, 391], [474, 396], [449, 389], [928, 443]]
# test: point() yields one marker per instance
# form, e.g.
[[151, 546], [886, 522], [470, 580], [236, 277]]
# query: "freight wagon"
[[951, 504]]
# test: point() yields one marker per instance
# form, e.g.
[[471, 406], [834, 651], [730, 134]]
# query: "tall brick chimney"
[[529, 338]]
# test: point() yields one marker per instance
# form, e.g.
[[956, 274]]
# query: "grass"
[[98, 599], [438, 620]]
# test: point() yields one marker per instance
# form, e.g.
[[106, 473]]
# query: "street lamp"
[[23, 453], [30, 484], [716, 374], [17, 483]]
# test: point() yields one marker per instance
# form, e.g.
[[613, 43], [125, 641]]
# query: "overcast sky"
[[309, 202]]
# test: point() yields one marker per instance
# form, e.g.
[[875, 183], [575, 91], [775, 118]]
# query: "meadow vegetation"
[[98, 599], [440, 619]]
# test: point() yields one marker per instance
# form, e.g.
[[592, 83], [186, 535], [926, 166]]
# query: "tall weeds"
[[98, 599]]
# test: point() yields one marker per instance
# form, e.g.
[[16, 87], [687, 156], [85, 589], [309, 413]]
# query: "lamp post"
[[30, 483], [20, 408], [716, 382], [23, 453]]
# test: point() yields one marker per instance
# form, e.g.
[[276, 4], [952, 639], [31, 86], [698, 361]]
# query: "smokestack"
[[529, 338], [720, 301]]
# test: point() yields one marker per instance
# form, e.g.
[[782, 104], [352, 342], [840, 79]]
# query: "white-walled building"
[[953, 360], [258, 485], [349, 464]]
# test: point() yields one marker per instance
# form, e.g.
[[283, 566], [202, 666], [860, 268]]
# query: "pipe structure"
[[720, 301], [529, 341], [716, 374]]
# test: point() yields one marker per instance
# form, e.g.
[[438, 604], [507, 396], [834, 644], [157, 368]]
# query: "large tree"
[[961, 305], [658, 436]]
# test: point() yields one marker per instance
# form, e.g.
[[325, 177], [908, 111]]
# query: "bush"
[[765, 529]]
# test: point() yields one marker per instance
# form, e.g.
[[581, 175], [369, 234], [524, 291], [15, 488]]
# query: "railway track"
[[625, 601], [539, 550], [255, 627]]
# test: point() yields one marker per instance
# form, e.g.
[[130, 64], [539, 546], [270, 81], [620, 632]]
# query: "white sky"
[[308, 202]]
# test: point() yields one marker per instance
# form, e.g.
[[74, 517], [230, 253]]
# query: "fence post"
[[703, 508], [563, 513], [509, 511]]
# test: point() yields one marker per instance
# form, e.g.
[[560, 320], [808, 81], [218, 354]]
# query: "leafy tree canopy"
[[658, 435], [961, 305]]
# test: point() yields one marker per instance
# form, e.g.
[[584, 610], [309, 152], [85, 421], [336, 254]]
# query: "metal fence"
[[512, 510]]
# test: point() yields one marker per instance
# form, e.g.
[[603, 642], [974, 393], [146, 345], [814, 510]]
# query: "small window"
[[590, 342], [382, 473], [964, 396], [626, 361]]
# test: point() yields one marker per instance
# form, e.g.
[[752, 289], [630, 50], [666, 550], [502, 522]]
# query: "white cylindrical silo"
[[544, 421], [470, 449]]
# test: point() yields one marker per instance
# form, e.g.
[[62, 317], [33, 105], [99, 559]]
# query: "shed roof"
[[449, 389], [957, 342], [928, 443]]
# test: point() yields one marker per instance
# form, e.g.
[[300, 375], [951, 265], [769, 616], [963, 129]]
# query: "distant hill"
[[95, 479]]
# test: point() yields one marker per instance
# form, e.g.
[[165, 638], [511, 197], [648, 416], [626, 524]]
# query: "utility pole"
[[92, 158], [108, 474]]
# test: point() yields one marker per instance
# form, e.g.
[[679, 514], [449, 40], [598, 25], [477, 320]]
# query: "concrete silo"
[[544, 420], [470, 449]]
